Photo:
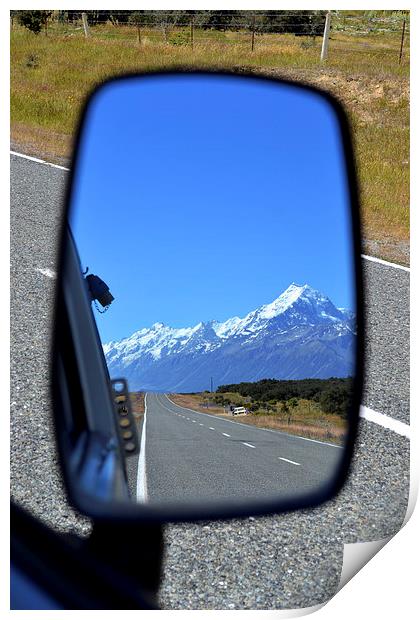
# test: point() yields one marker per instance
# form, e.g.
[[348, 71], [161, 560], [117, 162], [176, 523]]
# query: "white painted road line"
[[385, 262], [288, 461], [211, 428], [141, 467], [225, 434], [385, 421], [248, 444], [39, 161]]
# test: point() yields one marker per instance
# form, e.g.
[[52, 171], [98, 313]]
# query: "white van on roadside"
[[239, 411]]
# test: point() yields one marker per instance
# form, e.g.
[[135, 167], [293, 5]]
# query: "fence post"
[[402, 42], [325, 40], [138, 34], [192, 31], [253, 33], [85, 25]]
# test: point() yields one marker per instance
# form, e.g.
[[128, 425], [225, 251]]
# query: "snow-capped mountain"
[[300, 334]]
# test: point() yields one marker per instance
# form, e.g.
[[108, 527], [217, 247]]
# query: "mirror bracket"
[[126, 423]]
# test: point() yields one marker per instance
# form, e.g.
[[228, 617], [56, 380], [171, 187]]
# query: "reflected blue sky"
[[203, 197]]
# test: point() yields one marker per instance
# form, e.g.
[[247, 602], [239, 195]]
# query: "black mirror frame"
[[144, 513]]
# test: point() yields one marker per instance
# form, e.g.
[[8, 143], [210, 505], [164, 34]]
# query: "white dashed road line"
[[288, 461], [225, 434], [248, 444]]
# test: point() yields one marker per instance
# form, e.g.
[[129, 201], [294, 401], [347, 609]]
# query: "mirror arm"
[[136, 550]]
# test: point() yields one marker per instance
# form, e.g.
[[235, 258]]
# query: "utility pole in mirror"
[[325, 40]]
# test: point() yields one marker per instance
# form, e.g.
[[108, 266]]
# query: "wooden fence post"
[[402, 42], [85, 25], [253, 33], [192, 32], [325, 40]]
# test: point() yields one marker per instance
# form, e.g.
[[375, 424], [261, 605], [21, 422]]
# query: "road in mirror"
[[216, 210]]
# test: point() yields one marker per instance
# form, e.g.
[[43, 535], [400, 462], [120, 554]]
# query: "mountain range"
[[301, 334]]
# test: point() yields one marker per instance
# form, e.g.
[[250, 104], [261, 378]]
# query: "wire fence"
[[254, 30]]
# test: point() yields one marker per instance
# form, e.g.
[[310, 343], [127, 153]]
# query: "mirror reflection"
[[212, 220]]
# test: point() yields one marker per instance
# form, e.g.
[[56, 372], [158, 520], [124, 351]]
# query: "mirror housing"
[[88, 434]]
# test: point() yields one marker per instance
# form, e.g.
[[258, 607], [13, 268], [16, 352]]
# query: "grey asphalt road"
[[196, 457], [273, 562]]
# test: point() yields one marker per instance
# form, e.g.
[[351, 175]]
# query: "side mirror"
[[211, 365]]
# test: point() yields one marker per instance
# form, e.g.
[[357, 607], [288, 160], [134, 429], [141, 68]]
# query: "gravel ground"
[[387, 372], [292, 560], [285, 561], [35, 214]]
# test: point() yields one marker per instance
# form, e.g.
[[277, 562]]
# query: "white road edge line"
[[288, 461], [385, 421], [39, 161], [47, 163], [385, 262], [248, 444], [141, 467]]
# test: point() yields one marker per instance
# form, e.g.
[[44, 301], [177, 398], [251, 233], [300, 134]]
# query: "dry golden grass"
[[307, 420], [329, 432], [137, 404], [52, 75], [192, 401]]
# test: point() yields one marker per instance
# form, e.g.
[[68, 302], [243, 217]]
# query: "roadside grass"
[[307, 419], [52, 75]]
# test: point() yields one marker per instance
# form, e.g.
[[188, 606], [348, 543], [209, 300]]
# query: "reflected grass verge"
[[306, 420]]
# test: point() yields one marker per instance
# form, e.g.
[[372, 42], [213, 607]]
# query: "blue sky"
[[203, 197]]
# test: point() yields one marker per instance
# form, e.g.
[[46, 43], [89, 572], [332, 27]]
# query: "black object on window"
[[99, 290]]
